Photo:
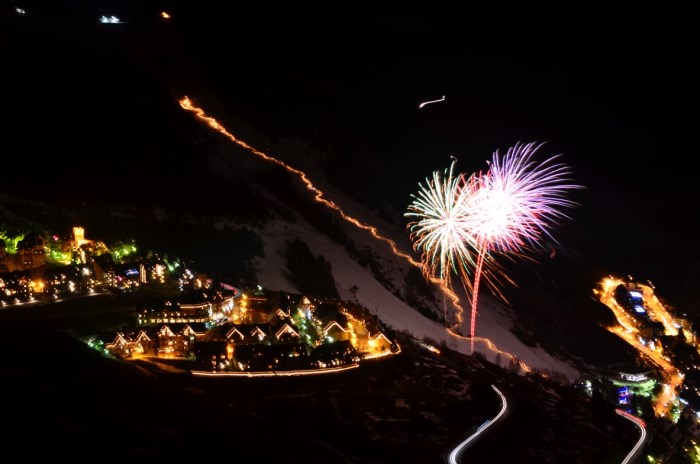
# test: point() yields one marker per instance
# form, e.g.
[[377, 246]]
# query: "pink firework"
[[515, 205], [463, 221]]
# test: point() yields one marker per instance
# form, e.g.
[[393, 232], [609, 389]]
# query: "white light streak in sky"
[[431, 101]]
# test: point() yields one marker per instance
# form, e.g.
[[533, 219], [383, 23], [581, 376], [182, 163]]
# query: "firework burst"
[[440, 232], [442, 229], [464, 221]]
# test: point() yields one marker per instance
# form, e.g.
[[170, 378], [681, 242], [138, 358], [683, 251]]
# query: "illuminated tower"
[[78, 236]]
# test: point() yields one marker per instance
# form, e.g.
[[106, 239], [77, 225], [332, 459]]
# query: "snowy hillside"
[[494, 337], [493, 322]]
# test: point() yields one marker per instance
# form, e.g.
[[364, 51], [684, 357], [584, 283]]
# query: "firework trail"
[[506, 211]]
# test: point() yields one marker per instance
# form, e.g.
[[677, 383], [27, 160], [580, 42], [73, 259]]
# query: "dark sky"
[[613, 90]]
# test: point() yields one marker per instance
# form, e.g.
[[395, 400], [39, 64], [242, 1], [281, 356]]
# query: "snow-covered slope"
[[493, 322], [494, 337]]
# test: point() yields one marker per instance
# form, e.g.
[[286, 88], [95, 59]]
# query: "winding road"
[[456, 453]]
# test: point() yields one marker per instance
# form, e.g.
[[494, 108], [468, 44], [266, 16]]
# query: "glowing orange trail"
[[628, 331], [186, 104], [493, 348]]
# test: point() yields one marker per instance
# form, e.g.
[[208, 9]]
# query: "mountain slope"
[[116, 99]]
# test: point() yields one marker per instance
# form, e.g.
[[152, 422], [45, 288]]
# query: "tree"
[[311, 275], [353, 291]]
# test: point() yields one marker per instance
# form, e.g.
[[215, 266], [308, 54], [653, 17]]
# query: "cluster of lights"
[[627, 330], [109, 20], [310, 331]]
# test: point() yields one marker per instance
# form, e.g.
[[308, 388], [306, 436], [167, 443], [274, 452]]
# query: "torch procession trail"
[[187, 105], [319, 195]]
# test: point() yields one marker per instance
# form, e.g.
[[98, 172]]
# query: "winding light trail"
[[642, 431], [628, 331], [296, 373], [431, 101], [187, 105], [462, 446]]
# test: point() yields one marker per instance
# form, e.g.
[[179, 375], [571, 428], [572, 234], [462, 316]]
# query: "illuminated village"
[[231, 332], [668, 352], [214, 327]]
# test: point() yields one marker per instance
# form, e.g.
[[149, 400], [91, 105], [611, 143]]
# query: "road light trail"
[[482, 428], [431, 101], [319, 196], [642, 431]]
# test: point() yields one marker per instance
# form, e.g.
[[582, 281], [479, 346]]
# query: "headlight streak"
[[431, 101], [642, 431], [482, 428]]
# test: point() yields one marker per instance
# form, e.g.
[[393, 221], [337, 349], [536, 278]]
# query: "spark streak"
[[431, 101]]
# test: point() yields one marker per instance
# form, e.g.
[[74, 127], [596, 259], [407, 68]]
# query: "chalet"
[[285, 331], [171, 311], [282, 327], [281, 313], [120, 346], [142, 344], [333, 331], [248, 333], [177, 340], [222, 303], [334, 324], [380, 343], [306, 307], [235, 335], [127, 345]]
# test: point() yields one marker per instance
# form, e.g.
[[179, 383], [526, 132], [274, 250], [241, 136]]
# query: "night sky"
[[613, 90]]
